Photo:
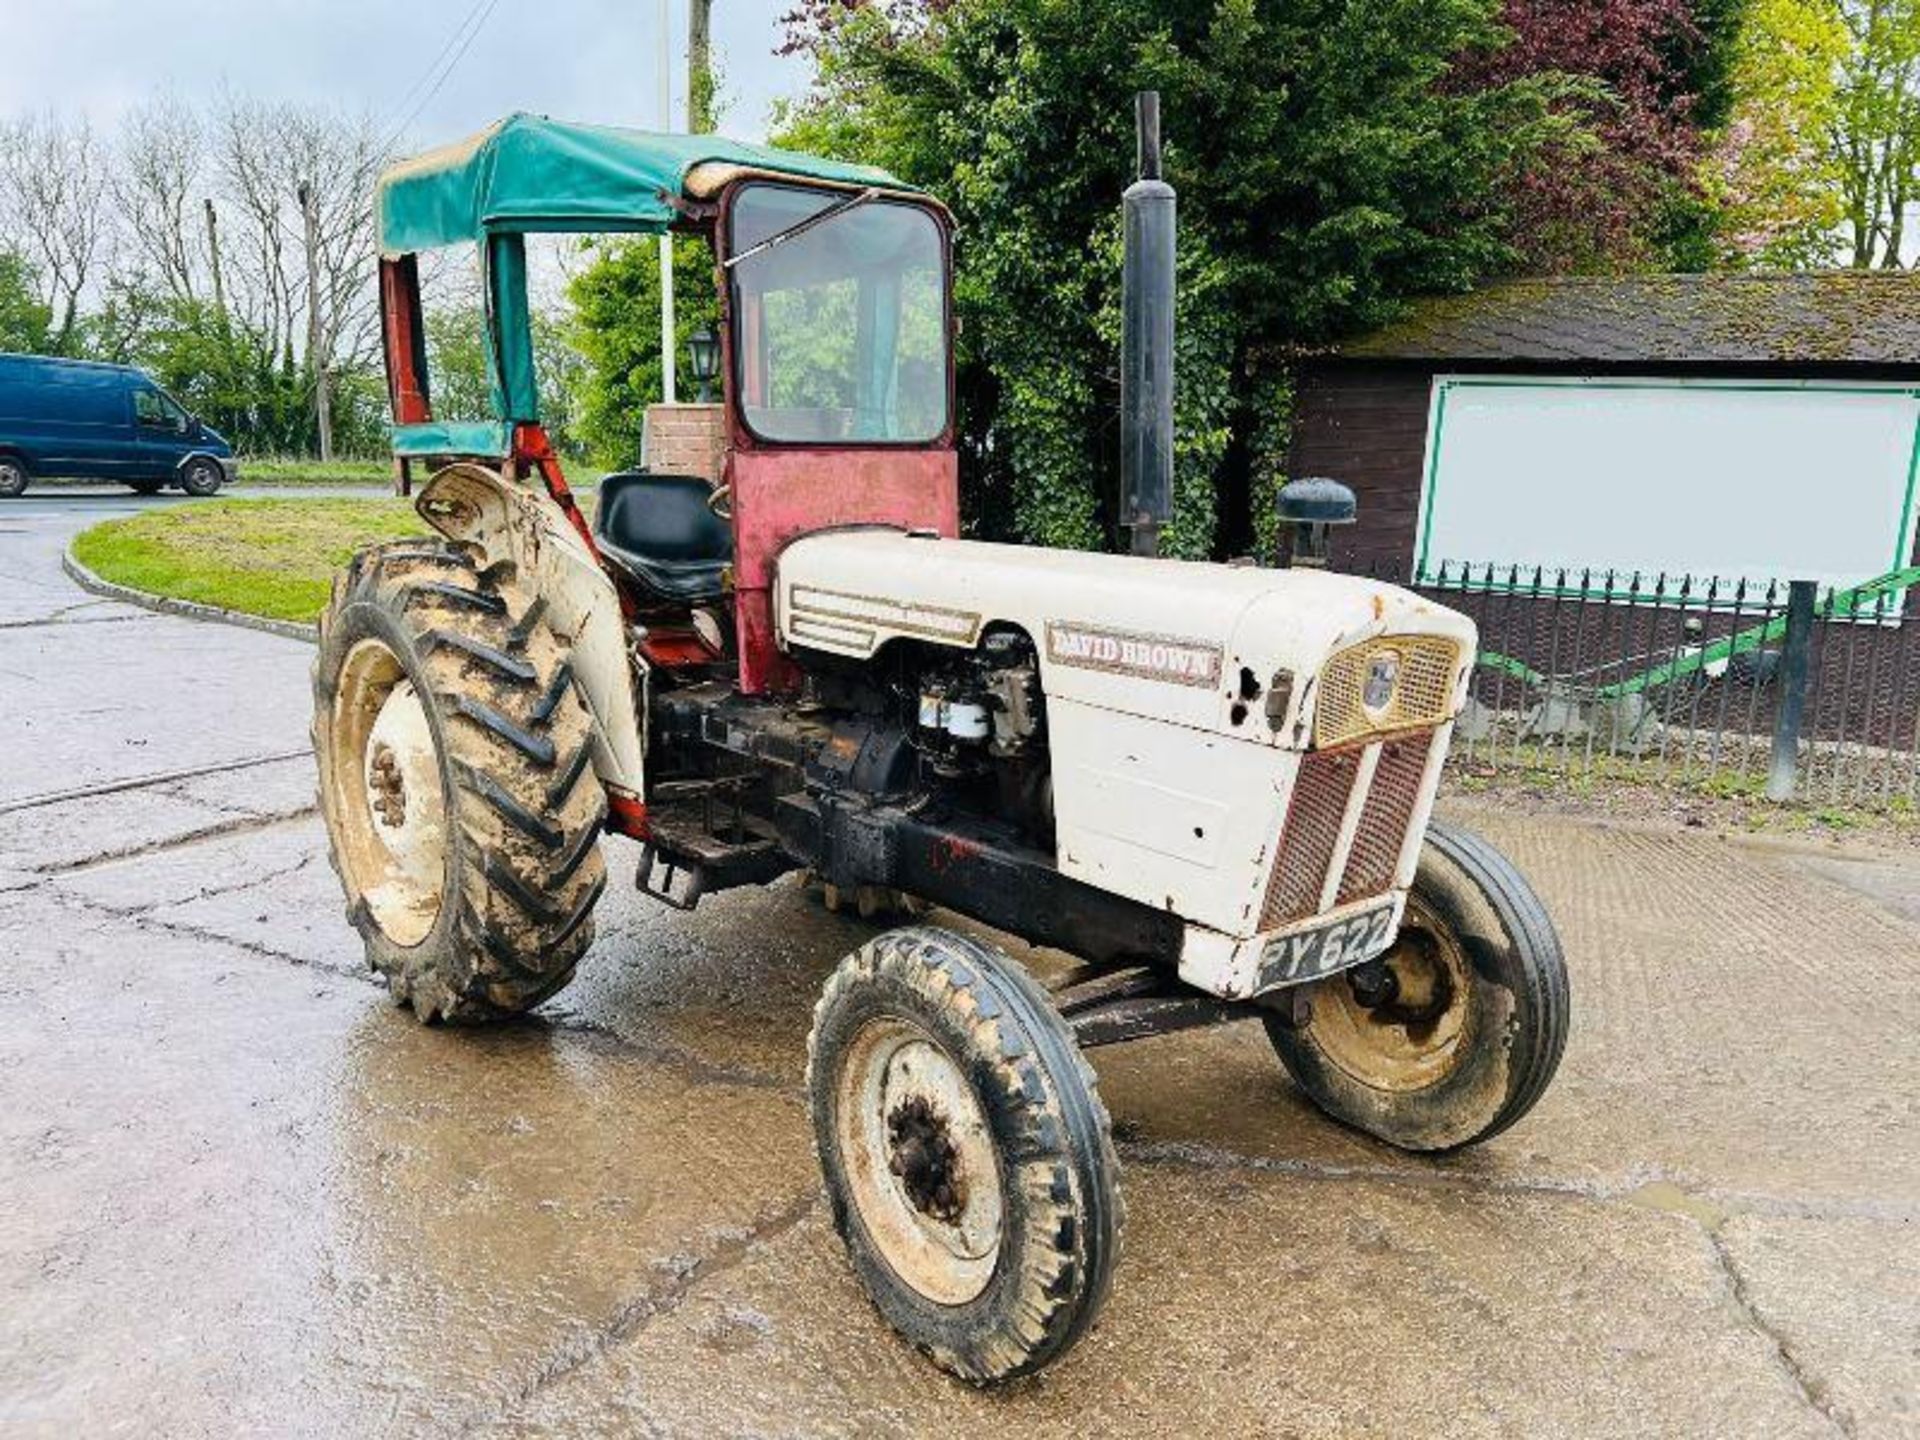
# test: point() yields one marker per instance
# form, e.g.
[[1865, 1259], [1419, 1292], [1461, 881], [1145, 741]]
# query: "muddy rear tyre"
[[456, 780], [1464, 1038], [967, 1156]]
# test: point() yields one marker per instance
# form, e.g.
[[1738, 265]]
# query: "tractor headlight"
[[1398, 682]]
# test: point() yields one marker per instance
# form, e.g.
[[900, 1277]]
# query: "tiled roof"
[[1841, 317]]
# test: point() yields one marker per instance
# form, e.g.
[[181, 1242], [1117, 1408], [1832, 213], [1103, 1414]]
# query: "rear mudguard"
[[506, 521]]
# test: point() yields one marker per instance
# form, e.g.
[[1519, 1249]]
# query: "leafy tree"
[[1329, 159], [1622, 192], [1772, 176], [1876, 144], [229, 372], [25, 323], [1821, 159], [615, 334], [457, 369]]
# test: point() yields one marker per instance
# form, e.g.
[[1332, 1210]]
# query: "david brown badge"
[[1121, 652]]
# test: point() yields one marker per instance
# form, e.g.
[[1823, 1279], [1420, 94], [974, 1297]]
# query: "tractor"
[[770, 650]]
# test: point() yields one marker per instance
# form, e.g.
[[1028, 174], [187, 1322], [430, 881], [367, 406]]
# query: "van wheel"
[[13, 477], [202, 478]]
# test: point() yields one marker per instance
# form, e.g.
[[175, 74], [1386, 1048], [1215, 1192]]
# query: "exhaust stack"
[[1146, 343]]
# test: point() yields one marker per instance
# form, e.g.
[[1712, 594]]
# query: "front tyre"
[[456, 781], [967, 1156], [13, 477], [202, 477], [1457, 1033]]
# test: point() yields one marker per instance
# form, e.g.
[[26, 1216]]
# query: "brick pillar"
[[685, 440]]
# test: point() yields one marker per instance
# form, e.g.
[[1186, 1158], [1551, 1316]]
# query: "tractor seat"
[[659, 530]]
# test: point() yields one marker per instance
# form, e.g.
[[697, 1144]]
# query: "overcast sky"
[[573, 59]]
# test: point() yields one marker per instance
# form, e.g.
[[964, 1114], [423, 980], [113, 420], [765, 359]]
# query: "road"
[[244, 1195]]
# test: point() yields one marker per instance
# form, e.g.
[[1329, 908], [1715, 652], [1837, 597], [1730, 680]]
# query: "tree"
[[1772, 177], [615, 332], [1875, 140], [700, 77], [457, 367], [53, 195], [1329, 160], [1821, 159], [263, 155], [24, 321], [162, 152], [1622, 192]]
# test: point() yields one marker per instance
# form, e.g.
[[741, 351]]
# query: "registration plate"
[[1310, 954]]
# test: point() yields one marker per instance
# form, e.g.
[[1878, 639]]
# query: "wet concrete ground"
[[243, 1195]]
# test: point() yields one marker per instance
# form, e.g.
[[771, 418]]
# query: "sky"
[[593, 60]]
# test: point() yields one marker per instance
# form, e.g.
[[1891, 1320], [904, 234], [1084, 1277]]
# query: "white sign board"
[[1732, 479]]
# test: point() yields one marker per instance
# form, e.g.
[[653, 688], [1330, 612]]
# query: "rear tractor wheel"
[[967, 1156], [456, 781], [1454, 1033]]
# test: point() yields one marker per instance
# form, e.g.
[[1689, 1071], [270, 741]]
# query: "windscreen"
[[840, 325]]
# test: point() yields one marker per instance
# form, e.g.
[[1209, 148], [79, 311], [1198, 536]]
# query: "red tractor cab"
[[836, 370]]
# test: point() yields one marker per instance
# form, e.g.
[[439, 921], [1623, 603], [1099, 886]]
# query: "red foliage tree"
[[1598, 204]]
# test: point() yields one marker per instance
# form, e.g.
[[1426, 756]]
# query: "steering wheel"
[[720, 501]]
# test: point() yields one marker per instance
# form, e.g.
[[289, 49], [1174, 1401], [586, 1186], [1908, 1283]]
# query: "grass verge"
[[297, 470], [274, 558]]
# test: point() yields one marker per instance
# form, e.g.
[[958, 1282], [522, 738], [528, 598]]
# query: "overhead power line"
[[443, 66]]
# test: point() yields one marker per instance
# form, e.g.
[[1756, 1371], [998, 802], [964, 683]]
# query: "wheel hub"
[[1412, 988], [925, 1160], [386, 790], [921, 1162], [386, 787], [1395, 1024]]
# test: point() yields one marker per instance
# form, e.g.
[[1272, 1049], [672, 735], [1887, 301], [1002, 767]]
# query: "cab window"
[[840, 322], [157, 411]]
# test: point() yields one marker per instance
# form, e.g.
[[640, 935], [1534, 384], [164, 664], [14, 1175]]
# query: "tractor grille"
[[1422, 693], [1311, 836], [1309, 844], [1382, 832]]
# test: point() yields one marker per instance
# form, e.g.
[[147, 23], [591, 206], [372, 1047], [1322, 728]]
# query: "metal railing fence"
[[1714, 685]]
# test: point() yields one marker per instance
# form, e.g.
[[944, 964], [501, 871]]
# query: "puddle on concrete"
[[1670, 1199]]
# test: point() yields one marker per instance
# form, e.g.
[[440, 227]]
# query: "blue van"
[[83, 420]]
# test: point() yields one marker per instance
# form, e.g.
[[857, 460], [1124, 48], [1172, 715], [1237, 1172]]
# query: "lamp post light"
[[703, 355]]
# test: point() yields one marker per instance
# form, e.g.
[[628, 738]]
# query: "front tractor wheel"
[[967, 1156], [456, 782], [1454, 1033]]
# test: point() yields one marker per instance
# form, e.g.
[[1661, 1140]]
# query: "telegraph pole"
[[699, 66], [316, 352], [667, 343], [213, 259]]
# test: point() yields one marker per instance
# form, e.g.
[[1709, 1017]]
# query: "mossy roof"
[[1821, 318]]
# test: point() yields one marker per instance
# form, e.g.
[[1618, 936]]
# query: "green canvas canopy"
[[527, 173]]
